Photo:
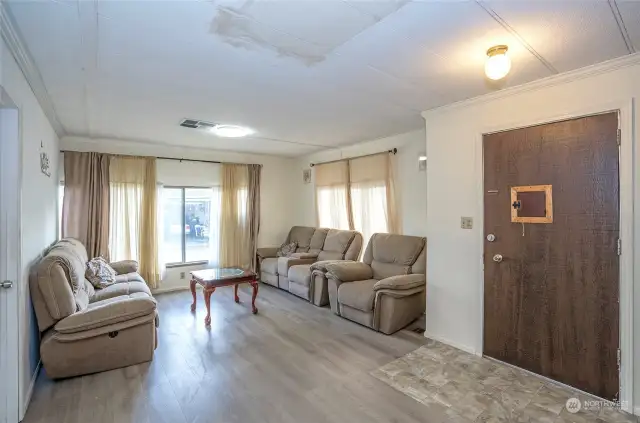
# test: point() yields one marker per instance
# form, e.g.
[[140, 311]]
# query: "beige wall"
[[411, 184], [39, 208], [454, 189]]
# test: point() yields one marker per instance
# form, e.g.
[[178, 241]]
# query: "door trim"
[[625, 109], [10, 247]]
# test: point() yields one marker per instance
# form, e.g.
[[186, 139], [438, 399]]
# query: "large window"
[[190, 225]]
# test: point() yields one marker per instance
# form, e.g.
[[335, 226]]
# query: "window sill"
[[187, 264]]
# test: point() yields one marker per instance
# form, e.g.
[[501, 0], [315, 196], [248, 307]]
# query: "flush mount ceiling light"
[[231, 131], [498, 63]]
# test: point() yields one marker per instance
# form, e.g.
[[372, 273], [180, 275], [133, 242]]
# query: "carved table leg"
[[207, 302], [235, 293], [193, 294], [254, 284]]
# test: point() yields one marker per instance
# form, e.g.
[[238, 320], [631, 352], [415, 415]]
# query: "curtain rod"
[[392, 151], [164, 158]]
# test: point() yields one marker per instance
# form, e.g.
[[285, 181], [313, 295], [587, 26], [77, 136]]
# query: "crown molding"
[[13, 40], [551, 81]]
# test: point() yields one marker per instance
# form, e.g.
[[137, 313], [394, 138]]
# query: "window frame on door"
[[183, 238]]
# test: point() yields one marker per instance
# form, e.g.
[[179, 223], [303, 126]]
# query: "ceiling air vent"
[[196, 124], [190, 123], [218, 129]]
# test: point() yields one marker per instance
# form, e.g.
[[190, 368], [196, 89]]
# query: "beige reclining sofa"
[[386, 291], [84, 329], [315, 245]]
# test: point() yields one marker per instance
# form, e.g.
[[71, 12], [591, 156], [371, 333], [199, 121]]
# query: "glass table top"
[[220, 273]]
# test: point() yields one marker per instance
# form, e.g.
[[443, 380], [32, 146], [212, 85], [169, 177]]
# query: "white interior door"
[[10, 171]]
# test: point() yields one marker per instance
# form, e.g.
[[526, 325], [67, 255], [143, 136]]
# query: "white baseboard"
[[32, 385], [636, 411], [461, 347], [172, 289]]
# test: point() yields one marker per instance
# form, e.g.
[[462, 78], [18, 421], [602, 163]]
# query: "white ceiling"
[[305, 74]]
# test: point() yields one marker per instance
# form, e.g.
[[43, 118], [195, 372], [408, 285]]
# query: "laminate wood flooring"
[[292, 362]]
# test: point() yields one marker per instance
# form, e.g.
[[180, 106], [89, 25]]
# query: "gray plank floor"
[[293, 362]]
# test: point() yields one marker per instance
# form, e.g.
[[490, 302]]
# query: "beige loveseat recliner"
[[316, 246], [87, 330], [386, 291]]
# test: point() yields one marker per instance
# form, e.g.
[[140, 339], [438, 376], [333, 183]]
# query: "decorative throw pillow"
[[99, 273], [286, 249]]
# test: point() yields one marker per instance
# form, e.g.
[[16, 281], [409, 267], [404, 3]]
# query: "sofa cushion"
[[129, 277], [336, 244], [402, 250], [108, 312], [338, 241], [300, 274], [359, 295], [390, 254], [302, 235], [269, 265], [120, 289], [317, 240]]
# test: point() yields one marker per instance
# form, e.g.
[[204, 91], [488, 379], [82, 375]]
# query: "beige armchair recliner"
[[88, 330], [386, 291], [297, 273]]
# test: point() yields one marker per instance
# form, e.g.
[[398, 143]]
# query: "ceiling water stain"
[[237, 28]]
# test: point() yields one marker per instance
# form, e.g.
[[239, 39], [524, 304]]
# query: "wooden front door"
[[551, 303]]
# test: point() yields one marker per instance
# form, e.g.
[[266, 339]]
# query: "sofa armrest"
[[123, 267], [108, 312], [305, 255], [349, 271], [401, 282], [285, 263], [321, 266], [267, 252]]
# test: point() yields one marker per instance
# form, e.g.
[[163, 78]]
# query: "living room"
[[426, 209]]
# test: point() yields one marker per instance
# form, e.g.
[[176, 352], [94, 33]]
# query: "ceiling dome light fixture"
[[498, 63], [231, 131]]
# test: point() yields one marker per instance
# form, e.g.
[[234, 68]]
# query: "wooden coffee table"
[[210, 279]]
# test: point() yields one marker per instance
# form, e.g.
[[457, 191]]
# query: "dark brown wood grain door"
[[551, 304]]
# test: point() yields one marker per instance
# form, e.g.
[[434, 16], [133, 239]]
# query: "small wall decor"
[[306, 176], [532, 204], [45, 166], [422, 162]]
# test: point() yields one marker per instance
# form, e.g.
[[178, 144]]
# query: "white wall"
[[39, 207], [454, 188], [275, 193], [411, 184]]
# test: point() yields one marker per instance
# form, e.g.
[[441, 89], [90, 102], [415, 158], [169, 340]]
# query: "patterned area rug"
[[476, 389]]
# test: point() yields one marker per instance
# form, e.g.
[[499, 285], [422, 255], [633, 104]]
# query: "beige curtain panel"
[[358, 194], [253, 199], [240, 216], [372, 186], [133, 214], [85, 208], [333, 203]]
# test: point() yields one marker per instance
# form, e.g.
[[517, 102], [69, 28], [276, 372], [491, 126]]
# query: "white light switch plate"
[[466, 222]]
